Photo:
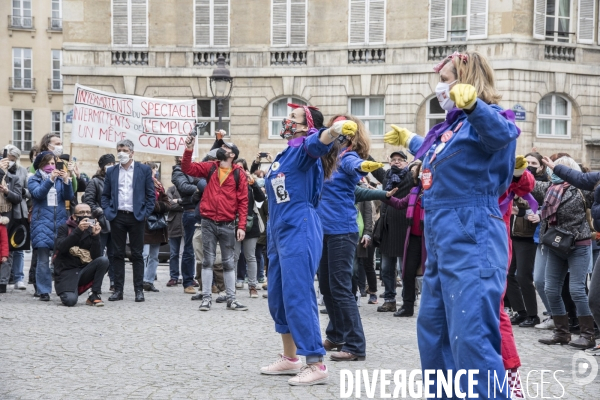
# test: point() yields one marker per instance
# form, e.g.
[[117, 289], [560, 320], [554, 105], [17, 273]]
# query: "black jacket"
[[66, 266], [93, 198], [186, 185], [255, 193]]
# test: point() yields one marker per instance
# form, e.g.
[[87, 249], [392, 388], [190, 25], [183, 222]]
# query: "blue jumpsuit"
[[467, 248], [295, 242]]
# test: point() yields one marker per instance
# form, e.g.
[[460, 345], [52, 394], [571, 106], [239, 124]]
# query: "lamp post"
[[221, 84]]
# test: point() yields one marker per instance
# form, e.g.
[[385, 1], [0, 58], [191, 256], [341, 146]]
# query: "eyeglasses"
[[84, 214]]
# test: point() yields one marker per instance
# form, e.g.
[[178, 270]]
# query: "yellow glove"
[[398, 136], [463, 95], [370, 166], [520, 166], [346, 128]]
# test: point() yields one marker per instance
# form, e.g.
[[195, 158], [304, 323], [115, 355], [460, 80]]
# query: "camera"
[[5, 153], [92, 222], [263, 155], [60, 165]]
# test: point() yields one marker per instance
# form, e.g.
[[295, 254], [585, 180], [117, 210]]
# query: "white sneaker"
[[548, 323], [239, 285], [310, 375], [20, 286], [283, 366]]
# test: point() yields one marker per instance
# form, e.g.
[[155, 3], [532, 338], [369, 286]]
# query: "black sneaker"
[[517, 319], [94, 300], [235, 306], [198, 296], [205, 306], [149, 287], [530, 322], [44, 297], [221, 299]]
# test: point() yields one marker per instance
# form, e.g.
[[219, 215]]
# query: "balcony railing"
[[18, 22], [55, 24], [361, 56], [288, 58], [207, 58], [55, 85], [127, 57], [21, 83], [435, 53], [561, 53]]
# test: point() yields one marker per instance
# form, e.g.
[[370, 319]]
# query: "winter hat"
[[38, 159], [106, 159]]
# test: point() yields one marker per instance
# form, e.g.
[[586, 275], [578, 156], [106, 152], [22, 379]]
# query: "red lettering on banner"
[[171, 143]]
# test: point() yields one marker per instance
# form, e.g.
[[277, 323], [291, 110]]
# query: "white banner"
[[153, 125]]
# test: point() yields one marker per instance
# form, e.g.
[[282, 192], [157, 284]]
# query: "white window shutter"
[[202, 23], [298, 22], [478, 19], [120, 25], [357, 27], [539, 19], [279, 15], [438, 20], [585, 28], [220, 23], [139, 22], [376, 21]]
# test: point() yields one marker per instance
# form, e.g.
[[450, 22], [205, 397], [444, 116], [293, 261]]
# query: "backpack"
[[236, 175]]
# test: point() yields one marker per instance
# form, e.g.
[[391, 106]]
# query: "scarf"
[[552, 201], [158, 187], [394, 176], [308, 115]]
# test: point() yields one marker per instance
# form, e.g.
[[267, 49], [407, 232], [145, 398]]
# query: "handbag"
[[558, 239], [19, 235], [156, 221], [378, 230], [5, 205]]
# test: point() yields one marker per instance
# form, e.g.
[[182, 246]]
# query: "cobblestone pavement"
[[166, 349]]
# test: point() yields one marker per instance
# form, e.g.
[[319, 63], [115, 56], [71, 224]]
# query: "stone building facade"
[[373, 58]]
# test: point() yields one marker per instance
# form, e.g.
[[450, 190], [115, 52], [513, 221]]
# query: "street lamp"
[[223, 83]]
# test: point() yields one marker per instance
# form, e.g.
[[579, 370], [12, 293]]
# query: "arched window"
[[554, 117], [435, 114], [278, 110]]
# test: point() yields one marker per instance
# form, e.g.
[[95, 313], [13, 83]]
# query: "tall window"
[[130, 22], [288, 22], [207, 111], [56, 123], [21, 14], [278, 110], [56, 75], [367, 22], [56, 20], [554, 117], [435, 114], [22, 129], [211, 23], [458, 20], [371, 111], [464, 19], [552, 19], [22, 69]]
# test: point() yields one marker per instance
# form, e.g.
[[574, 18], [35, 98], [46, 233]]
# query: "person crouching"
[[78, 260]]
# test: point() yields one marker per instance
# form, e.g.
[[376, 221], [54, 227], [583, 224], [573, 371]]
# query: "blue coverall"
[[295, 242], [467, 248]]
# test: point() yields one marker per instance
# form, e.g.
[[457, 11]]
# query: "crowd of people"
[[524, 226]]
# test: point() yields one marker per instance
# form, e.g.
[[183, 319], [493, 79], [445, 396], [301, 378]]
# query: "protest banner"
[[155, 126]]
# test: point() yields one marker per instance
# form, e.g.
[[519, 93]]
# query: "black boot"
[[586, 339], [405, 311], [561, 333], [388, 306]]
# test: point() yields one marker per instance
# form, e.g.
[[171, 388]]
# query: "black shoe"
[[139, 296], [117, 295], [36, 294], [221, 299], [197, 296], [3, 288], [517, 319], [530, 322], [149, 287], [323, 311], [44, 297], [404, 312]]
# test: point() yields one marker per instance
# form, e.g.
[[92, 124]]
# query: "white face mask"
[[57, 151], [123, 157], [10, 164], [442, 92]]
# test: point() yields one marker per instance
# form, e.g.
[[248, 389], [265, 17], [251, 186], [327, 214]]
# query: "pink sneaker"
[[310, 375], [283, 366]]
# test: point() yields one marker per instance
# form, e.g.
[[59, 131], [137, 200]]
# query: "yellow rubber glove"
[[346, 128], [520, 166], [398, 136], [370, 166], [463, 95]]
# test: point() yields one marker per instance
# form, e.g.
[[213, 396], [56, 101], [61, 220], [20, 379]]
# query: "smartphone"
[[263, 155], [74, 159], [5, 153], [92, 222], [60, 165]]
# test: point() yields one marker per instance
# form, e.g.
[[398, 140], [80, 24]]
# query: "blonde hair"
[[473, 68], [569, 162]]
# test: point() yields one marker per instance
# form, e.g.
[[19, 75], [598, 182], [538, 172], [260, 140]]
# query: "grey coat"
[[366, 210], [20, 211], [14, 195], [175, 215]]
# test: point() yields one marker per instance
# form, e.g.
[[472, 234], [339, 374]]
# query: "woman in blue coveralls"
[[344, 332], [295, 240], [468, 163]]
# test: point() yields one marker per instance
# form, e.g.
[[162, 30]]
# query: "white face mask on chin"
[[442, 92]]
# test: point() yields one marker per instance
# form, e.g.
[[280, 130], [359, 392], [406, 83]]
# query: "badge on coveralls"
[[426, 178], [275, 166], [281, 195]]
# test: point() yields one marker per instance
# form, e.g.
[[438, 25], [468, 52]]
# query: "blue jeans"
[[260, 262], [388, 276], [43, 275], [539, 274], [174, 245], [335, 283], [188, 262], [576, 264], [150, 255], [18, 261], [105, 242]]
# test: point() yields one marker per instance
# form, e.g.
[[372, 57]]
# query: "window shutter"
[[120, 24], [539, 19], [376, 21], [298, 22], [438, 20], [478, 19], [220, 23], [202, 23], [279, 22], [585, 28], [139, 22], [357, 26]]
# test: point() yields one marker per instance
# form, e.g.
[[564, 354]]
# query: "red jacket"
[[219, 202], [3, 242]]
